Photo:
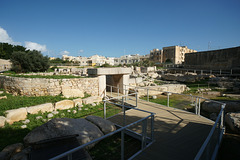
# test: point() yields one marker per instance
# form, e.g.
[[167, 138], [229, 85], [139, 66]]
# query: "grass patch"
[[47, 76], [175, 101], [11, 134], [14, 102], [110, 148]]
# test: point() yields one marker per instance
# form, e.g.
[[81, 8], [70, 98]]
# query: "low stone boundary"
[[15, 115], [73, 87]]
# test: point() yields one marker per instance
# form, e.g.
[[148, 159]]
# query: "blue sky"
[[117, 27]]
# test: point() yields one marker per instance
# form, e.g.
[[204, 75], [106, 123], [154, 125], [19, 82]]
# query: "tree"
[[31, 61]]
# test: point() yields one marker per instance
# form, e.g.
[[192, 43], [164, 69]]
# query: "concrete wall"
[[43, 87], [217, 59]]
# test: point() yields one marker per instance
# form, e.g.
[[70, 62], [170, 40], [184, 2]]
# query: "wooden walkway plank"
[[178, 134]]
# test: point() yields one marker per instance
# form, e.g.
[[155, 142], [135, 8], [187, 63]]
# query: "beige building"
[[176, 54], [172, 54], [5, 65], [156, 55]]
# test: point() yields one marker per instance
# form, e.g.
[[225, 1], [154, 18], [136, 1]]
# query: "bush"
[[31, 61]]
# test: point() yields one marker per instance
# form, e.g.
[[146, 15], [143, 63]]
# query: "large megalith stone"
[[77, 102], [92, 99], [233, 121], [104, 125], [47, 107], [60, 127], [10, 150], [72, 93], [2, 121], [64, 104], [213, 107], [15, 115]]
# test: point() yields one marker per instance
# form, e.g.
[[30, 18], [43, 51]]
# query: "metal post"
[[124, 113], [70, 156], [122, 145], [199, 105], [104, 108], [111, 91], [220, 71], [147, 96], [231, 71], [144, 133], [152, 127], [136, 99], [210, 71], [201, 72], [118, 92], [168, 99], [196, 110]]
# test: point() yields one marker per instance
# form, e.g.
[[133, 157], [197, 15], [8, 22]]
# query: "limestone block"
[[15, 115], [72, 93], [2, 121], [233, 121], [59, 127], [64, 104], [104, 125], [91, 99], [10, 150], [77, 102], [3, 97], [47, 107]]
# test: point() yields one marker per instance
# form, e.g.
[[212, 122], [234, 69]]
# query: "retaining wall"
[[44, 87]]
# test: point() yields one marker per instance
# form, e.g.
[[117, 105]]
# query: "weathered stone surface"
[[2, 121], [213, 107], [23, 155], [104, 125], [63, 127], [43, 86], [15, 115], [10, 150], [47, 107], [233, 121], [64, 104], [91, 99], [72, 93], [77, 102], [156, 90], [3, 97]]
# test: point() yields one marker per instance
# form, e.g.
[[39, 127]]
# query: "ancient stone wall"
[[217, 59], [43, 86]]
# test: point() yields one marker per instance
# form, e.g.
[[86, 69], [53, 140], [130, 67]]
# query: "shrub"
[[31, 61]]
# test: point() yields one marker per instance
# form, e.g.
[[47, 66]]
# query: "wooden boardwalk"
[[178, 134]]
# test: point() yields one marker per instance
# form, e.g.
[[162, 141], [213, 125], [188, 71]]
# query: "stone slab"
[[16, 115], [47, 107], [64, 104]]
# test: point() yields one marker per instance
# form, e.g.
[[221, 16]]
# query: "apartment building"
[[172, 54], [127, 59]]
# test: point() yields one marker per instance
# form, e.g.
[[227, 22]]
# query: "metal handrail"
[[197, 111], [206, 142], [122, 129]]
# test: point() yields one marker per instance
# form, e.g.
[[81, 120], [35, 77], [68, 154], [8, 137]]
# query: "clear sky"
[[119, 27]]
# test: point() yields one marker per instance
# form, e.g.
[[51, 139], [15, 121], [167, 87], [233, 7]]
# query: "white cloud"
[[4, 37], [64, 53], [81, 51], [35, 46]]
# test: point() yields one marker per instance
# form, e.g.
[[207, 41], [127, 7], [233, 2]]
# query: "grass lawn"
[[47, 76], [11, 134], [175, 101]]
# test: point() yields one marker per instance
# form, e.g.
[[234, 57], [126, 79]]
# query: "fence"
[[211, 145], [146, 140]]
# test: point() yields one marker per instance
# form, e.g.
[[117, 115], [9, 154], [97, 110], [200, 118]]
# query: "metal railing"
[[146, 140], [210, 147]]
